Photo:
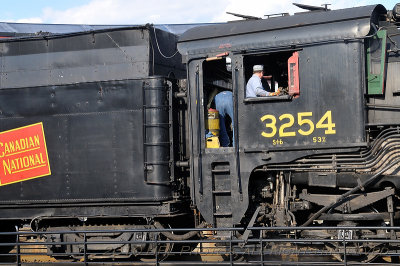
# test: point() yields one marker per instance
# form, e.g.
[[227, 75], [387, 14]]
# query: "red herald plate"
[[23, 154]]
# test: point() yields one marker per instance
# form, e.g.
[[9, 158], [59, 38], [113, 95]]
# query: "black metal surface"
[[281, 31], [95, 137], [298, 20], [106, 116], [342, 96], [102, 55]]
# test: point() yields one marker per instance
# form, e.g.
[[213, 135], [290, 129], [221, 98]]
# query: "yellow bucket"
[[213, 121], [212, 142]]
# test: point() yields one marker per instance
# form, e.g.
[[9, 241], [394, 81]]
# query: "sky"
[[154, 11]]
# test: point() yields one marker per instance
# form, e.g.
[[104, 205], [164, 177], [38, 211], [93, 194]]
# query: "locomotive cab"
[[321, 85], [300, 157]]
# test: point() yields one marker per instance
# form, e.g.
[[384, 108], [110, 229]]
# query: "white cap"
[[257, 68]]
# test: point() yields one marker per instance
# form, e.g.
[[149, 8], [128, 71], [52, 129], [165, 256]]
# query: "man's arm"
[[261, 92]]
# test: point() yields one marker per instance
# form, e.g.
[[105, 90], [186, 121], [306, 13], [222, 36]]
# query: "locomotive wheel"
[[165, 250], [368, 254]]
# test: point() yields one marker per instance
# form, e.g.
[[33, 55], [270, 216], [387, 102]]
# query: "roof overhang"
[[297, 30]]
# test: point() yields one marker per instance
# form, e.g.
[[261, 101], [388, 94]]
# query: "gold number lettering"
[[282, 133], [326, 122], [271, 125], [302, 121], [284, 130]]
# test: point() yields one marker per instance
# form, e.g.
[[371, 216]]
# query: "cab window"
[[281, 74]]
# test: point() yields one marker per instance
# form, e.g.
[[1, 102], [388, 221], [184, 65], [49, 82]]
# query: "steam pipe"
[[179, 237], [345, 195]]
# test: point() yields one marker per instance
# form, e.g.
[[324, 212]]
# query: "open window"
[[217, 82], [376, 59], [281, 74]]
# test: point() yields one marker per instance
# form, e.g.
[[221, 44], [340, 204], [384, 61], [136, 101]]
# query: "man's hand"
[[274, 93]]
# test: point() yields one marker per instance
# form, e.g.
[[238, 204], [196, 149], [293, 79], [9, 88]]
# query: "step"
[[221, 192], [219, 171]]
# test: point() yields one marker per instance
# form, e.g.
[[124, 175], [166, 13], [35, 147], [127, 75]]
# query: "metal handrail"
[[257, 250]]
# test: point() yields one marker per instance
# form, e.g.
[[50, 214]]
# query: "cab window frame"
[[216, 75], [277, 62]]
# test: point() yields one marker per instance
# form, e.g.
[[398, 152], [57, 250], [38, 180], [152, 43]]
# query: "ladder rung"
[[157, 163], [221, 192], [157, 124], [222, 214], [220, 171]]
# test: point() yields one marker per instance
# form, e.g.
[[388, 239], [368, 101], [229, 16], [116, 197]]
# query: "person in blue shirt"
[[254, 86]]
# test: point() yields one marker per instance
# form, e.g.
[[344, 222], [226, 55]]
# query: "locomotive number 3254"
[[307, 126]]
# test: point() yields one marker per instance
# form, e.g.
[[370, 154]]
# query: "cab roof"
[[301, 28]]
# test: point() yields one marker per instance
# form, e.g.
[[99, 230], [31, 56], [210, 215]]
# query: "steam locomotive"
[[106, 129]]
